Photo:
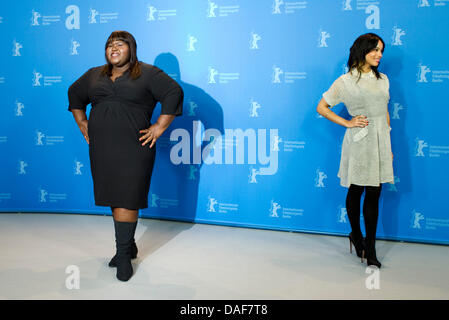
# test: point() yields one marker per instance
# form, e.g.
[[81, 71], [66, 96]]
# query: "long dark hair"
[[134, 65], [360, 48]]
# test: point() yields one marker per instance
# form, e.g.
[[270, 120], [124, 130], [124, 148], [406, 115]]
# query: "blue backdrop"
[[250, 149]]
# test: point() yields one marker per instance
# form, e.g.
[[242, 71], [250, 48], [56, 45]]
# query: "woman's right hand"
[[358, 122], [83, 127]]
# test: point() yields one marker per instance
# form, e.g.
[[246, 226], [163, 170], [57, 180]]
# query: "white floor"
[[196, 261]]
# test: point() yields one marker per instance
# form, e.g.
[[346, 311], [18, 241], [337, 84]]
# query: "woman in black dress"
[[123, 94]]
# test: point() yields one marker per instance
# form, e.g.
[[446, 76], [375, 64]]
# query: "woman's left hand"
[[151, 134]]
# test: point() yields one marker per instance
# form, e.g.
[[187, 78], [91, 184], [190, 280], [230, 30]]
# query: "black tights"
[[370, 209]]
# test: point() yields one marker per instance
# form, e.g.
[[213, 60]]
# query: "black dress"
[[121, 167]]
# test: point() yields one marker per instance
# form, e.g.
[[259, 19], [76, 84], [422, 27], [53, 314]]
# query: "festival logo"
[[212, 6], [253, 173], [288, 7], [436, 3], [347, 5], [36, 78], [419, 221], [22, 166], [276, 142], [103, 17], [16, 49], [422, 72], [93, 15], [396, 108], [19, 109], [212, 202], [254, 39], [192, 172], [37, 19], [74, 47], [223, 11], [158, 202], [154, 198], [254, 106], [277, 72], [191, 40], [277, 6], [433, 151], [281, 76], [423, 3], [45, 197], [155, 14], [437, 76], [223, 78], [48, 80], [420, 145], [39, 137], [417, 217], [396, 38], [342, 215], [278, 211], [213, 205], [323, 36], [191, 108], [212, 74], [49, 140], [151, 13], [274, 209], [319, 179], [77, 168]]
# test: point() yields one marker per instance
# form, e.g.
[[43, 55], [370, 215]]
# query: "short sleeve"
[[78, 93], [167, 91], [334, 95]]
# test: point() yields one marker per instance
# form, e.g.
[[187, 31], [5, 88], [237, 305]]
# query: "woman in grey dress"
[[366, 157]]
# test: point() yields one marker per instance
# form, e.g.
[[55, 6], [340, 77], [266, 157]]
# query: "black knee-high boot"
[[371, 214], [353, 210], [124, 234], [134, 250]]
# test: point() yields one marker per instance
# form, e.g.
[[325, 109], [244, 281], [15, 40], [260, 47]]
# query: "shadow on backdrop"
[[181, 182]]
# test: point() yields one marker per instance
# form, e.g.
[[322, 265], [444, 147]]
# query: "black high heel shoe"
[[359, 246], [370, 254]]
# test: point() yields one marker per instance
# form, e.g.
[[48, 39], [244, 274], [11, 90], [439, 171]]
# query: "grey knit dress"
[[366, 157]]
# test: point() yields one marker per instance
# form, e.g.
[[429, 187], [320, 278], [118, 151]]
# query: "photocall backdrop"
[[250, 149]]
